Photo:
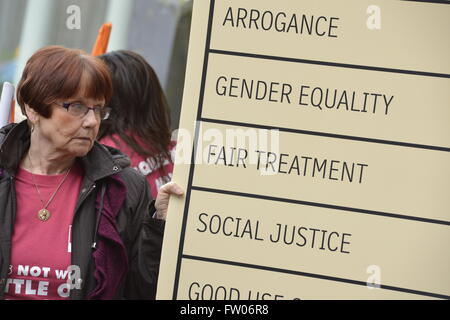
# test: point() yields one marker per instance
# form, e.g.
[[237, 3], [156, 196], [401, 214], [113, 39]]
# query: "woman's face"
[[68, 135]]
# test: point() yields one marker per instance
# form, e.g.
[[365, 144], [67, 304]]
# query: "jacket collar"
[[100, 162]]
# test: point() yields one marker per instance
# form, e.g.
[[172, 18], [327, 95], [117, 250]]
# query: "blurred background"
[[157, 29]]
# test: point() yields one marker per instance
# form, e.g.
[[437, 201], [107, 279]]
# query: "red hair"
[[55, 72]]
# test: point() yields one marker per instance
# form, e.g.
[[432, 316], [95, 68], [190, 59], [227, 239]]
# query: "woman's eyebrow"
[[74, 100], [99, 103]]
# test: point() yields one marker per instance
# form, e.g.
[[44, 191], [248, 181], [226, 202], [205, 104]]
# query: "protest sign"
[[318, 161]]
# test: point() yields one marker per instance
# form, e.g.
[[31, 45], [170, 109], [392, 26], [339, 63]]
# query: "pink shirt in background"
[[41, 251], [147, 167]]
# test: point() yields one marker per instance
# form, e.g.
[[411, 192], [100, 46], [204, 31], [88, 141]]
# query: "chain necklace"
[[43, 214]]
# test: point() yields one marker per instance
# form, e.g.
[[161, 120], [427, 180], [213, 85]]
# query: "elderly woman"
[[75, 221]]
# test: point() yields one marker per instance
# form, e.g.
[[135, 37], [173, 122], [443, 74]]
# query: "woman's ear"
[[32, 115]]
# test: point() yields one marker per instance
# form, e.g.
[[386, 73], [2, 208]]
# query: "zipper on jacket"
[[99, 215], [13, 203], [85, 193]]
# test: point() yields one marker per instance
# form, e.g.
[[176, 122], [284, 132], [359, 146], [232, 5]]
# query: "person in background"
[[69, 205], [139, 123]]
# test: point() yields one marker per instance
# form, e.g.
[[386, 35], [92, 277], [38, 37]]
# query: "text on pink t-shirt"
[[147, 167]]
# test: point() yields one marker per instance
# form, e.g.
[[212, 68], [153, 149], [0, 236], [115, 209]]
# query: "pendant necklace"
[[44, 214]]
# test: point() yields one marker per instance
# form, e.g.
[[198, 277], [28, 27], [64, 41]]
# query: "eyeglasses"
[[80, 110]]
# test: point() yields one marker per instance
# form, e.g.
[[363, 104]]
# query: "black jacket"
[[141, 234]]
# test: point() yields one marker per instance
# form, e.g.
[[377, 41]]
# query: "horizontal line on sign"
[[329, 64], [325, 134], [313, 275], [321, 205], [429, 1]]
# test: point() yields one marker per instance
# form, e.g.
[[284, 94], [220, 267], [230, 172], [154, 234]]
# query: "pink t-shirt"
[[41, 251], [148, 167]]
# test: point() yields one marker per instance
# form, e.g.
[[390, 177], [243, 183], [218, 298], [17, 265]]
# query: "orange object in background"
[[13, 110], [101, 44]]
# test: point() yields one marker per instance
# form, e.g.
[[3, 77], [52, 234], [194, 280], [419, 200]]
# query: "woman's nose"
[[91, 119]]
